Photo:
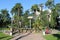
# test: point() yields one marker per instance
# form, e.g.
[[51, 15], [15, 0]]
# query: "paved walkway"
[[29, 36]]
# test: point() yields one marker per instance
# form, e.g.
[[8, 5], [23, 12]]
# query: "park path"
[[29, 36]]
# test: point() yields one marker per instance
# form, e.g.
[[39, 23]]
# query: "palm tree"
[[53, 8], [17, 11], [34, 8], [50, 4], [36, 24]]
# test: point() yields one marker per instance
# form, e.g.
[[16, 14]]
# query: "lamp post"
[[30, 17], [11, 31]]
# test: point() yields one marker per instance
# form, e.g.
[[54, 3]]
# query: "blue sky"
[[8, 4]]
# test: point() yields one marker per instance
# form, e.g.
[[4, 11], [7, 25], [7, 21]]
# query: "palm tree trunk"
[[18, 21]]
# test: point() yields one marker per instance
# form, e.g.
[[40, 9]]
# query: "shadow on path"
[[24, 36]]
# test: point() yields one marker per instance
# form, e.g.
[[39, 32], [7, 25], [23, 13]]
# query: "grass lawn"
[[4, 36], [52, 36]]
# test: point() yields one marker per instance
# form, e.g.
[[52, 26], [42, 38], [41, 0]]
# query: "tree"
[[58, 12], [38, 21], [26, 14], [57, 8], [34, 8], [50, 4], [25, 19], [17, 11], [5, 17], [54, 15], [44, 18]]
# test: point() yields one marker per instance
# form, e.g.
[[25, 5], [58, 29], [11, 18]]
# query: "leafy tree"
[[36, 22], [26, 14], [44, 18], [25, 20], [34, 8], [17, 11], [5, 17], [50, 4], [58, 8]]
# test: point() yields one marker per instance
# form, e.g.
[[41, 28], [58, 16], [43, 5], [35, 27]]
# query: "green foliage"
[[17, 11], [5, 15], [54, 15], [25, 18], [44, 19], [50, 3], [34, 8], [4, 18], [57, 6]]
